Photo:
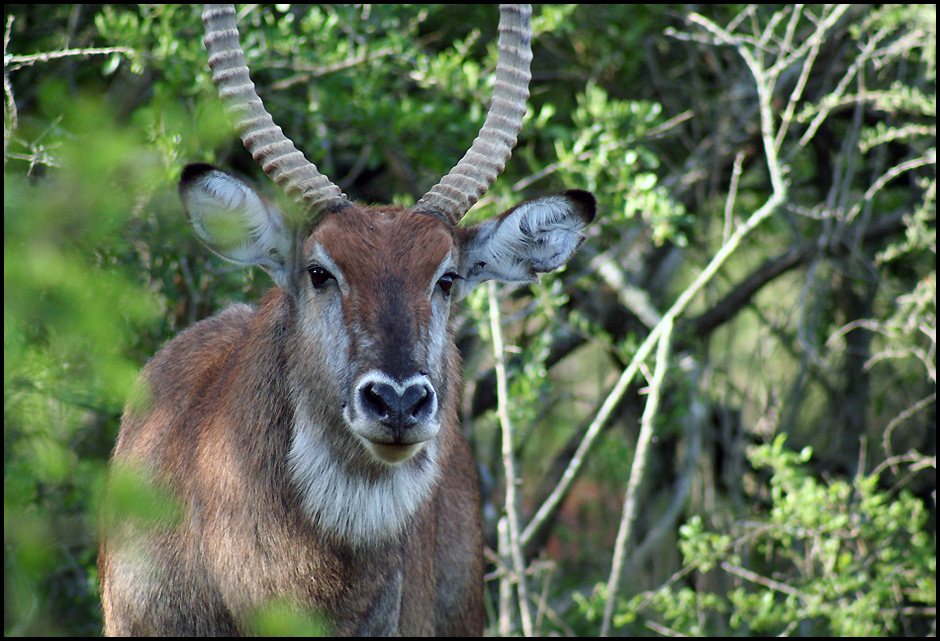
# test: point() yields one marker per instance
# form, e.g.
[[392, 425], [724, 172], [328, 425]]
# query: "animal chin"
[[393, 453]]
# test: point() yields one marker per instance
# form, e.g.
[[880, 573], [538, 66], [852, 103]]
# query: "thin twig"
[[12, 63], [732, 194], [636, 474], [509, 464]]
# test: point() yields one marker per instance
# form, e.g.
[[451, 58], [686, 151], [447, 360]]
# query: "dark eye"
[[319, 276], [446, 283]]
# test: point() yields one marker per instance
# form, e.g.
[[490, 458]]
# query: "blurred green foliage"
[[105, 103]]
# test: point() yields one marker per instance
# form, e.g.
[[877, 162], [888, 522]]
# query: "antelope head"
[[373, 286]]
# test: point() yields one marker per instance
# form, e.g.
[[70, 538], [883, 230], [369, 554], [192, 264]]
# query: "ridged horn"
[[476, 172], [265, 141]]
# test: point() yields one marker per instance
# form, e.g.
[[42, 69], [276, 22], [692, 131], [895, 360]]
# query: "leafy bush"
[[836, 558]]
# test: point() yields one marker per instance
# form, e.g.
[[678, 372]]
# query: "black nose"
[[397, 407]]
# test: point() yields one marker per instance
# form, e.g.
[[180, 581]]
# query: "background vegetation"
[[721, 415]]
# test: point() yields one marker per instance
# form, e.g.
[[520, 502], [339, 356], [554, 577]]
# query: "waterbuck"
[[312, 445]]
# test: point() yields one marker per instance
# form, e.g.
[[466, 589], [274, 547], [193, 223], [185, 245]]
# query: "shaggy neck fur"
[[354, 507]]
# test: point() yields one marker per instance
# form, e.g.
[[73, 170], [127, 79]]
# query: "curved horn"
[[466, 183], [264, 140]]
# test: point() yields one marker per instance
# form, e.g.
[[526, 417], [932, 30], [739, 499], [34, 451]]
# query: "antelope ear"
[[536, 237], [235, 222]]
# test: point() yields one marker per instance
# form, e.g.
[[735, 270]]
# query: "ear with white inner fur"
[[235, 222], [536, 237]]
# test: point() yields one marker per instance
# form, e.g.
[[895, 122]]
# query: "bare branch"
[[12, 63], [636, 474], [509, 465]]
